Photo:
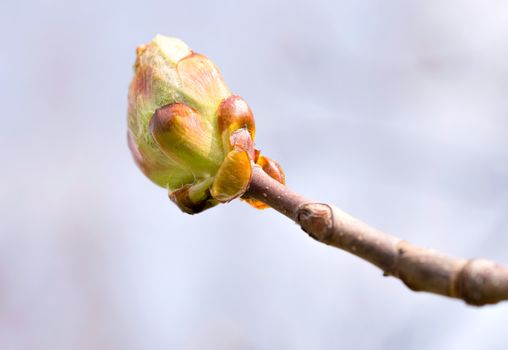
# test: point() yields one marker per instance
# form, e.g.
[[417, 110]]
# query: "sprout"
[[187, 132]]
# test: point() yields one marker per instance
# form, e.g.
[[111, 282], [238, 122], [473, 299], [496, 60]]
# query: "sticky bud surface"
[[187, 132]]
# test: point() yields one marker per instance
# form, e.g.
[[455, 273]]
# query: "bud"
[[187, 132]]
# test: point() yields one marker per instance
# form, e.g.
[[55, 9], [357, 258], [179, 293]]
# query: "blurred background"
[[395, 111]]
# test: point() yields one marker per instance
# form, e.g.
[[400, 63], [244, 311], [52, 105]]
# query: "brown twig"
[[476, 281]]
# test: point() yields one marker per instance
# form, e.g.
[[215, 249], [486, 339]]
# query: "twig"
[[476, 281]]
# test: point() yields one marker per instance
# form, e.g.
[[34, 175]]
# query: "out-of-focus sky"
[[396, 111]]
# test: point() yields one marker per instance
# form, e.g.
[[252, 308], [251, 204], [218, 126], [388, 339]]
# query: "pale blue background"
[[396, 111]]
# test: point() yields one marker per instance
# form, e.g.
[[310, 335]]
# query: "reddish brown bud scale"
[[182, 200], [193, 199], [233, 114], [241, 138], [257, 153], [272, 168], [162, 120]]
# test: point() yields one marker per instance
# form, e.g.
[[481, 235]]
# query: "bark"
[[476, 281]]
